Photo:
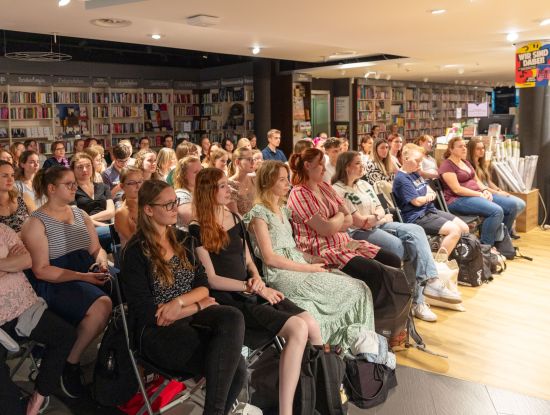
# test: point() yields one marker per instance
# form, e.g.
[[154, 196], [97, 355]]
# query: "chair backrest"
[[397, 212], [437, 186]]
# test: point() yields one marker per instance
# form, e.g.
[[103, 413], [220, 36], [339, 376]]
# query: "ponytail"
[[44, 177]]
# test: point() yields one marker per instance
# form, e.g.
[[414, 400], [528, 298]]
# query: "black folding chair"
[[472, 221]]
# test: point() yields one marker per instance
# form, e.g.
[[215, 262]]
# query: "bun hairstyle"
[[45, 177], [297, 164]]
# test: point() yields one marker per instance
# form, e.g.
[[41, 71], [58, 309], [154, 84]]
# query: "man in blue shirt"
[[271, 152]]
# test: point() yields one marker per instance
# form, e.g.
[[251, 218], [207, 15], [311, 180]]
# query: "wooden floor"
[[502, 338]]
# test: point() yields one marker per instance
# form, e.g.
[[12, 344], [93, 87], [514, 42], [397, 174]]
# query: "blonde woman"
[[131, 179], [146, 161], [184, 184], [166, 161], [242, 182], [97, 153], [218, 159]]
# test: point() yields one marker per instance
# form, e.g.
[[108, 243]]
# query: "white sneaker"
[[423, 312], [436, 289], [243, 408]]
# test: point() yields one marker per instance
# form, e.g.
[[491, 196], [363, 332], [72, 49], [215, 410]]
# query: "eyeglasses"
[[169, 205], [134, 183], [69, 185]]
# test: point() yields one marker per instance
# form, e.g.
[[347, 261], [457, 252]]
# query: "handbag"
[[368, 384]]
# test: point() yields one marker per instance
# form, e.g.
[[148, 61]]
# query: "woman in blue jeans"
[[465, 194], [406, 240], [511, 205]]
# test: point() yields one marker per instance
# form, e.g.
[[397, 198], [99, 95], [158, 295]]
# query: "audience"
[[205, 147], [222, 249], [242, 184], [64, 248], [218, 159], [97, 153], [184, 184], [366, 149], [146, 161], [466, 195], [271, 151], [333, 148], [428, 169], [184, 149], [244, 142], [111, 175], [144, 143], [380, 167], [16, 149], [5, 155], [78, 145], [23, 314], [180, 327], [29, 164], [168, 141], [375, 130], [415, 201], [227, 145], [511, 205], [396, 146], [32, 145], [58, 158], [341, 305], [253, 141], [128, 143], [166, 161], [258, 158], [13, 207]]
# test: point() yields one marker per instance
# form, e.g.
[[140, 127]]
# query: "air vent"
[[111, 22], [202, 20]]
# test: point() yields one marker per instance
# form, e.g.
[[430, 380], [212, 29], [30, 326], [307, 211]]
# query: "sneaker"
[[423, 312], [242, 408], [71, 381], [436, 289]]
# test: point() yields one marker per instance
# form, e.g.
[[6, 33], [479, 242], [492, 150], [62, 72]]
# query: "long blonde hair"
[[180, 182], [266, 177]]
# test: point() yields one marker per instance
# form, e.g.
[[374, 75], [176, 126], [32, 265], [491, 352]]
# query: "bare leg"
[[295, 332], [90, 327], [451, 232], [314, 332]]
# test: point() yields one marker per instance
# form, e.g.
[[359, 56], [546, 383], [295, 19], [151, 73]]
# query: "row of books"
[[127, 128], [71, 97], [191, 110], [31, 97], [101, 129], [30, 113], [157, 97], [31, 132], [122, 111], [187, 98]]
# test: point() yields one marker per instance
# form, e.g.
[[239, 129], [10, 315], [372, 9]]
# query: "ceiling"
[[469, 38]]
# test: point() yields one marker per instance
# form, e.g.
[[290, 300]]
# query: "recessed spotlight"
[[388, 77], [63, 3], [376, 75], [255, 50], [205, 56], [460, 71], [545, 22], [156, 36], [438, 11], [512, 37], [426, 79]]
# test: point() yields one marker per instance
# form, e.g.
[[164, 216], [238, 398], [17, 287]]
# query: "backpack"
[[503, 243], [330, 372], [114, 380], [467, 254]]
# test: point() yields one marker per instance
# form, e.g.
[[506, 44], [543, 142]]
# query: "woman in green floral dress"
[[341, 305]]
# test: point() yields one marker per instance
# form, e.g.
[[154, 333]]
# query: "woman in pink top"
[[464, 192], [321, 220], [18, 310]]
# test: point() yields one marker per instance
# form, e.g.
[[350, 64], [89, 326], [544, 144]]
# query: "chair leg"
[[28, 350], [147, 404]]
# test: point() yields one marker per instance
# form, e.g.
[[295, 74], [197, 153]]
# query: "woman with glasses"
[[131, 179], [13, 208], [69, 267], [241, 183], [58, 156], [93, 198], [184, 184], [29, 164], [234, 280], [180, 327]]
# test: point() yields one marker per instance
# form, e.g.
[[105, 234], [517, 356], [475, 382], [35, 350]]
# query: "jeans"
[[491, 212], [512, 206], [409, 241], [58, 336], [207, 343]]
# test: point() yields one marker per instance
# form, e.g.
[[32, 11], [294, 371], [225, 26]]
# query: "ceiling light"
[[202, 20], [111, 22], [512, 37], [356, 65], [460, 71], [346, 54], [376, 75], [438, 11], [156, 36], [388, 77], [426, 79], [545, 22], [255, 50], [63, 3]]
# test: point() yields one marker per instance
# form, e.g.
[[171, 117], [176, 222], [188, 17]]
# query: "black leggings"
[[58, 336], [369, 270], [207, 343]]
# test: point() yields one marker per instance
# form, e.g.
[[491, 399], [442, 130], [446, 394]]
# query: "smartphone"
[[94, 268], [330, 266]]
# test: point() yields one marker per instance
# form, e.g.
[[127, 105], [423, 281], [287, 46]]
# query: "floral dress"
[[341, 305]]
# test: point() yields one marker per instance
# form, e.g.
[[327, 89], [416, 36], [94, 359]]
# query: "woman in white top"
[[366, 149], [29, 164], [396, 146], [428, 169]]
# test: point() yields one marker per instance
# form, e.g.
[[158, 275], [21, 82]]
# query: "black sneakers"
[[71, 381]]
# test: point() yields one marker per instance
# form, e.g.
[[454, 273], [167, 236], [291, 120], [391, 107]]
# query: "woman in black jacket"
[[175, 322]]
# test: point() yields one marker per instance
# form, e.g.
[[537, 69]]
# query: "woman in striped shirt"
[[320, 221]]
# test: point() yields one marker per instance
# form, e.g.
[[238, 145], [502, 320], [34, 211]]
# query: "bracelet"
[[199, 308], [180, 302]]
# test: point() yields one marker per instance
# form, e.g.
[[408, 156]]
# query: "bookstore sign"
[[533, 64]]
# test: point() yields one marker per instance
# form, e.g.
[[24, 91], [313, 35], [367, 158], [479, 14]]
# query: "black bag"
[[467, 254], [392, 302], [503, 243], [487, 262], [114, 380], [330, 372], [368, 384]]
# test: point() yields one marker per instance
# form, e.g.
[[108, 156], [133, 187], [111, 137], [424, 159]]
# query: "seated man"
[[111, 175], [19, 309]]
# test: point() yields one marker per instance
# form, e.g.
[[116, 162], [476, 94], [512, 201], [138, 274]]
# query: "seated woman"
[[242, 182], [5, 155], [321, 220], [176, 324], [97, 154], [396, 146], [408, 241], [184, 149], [184, 184], [146, 160], [131, 179], [64, 246], [232, 275], [341, 305], [258, 159], [29, 164], [415, 200], [166, 161], [16, 149], [466, 195], [93, 198], [217, 158], [511, 205], [428, 169], [366, 149], [19, 305], [14, 209], [380, 167], [58, 155]]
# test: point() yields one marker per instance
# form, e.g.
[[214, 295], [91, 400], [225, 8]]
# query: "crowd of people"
[[224, 245]]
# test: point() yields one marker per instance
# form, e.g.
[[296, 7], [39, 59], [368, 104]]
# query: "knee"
[[230, 320], [295, 329], [497, 211], [455, 230], [101, 308], [311, 323]]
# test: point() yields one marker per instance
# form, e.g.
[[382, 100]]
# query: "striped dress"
[[338, 248]]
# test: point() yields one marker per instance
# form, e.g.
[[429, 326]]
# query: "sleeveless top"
[[17, 218], [64, 238]]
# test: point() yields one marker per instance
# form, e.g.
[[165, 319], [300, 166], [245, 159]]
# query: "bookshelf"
[[4, 114], [187, 109], [301, 107], [158, 118]]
